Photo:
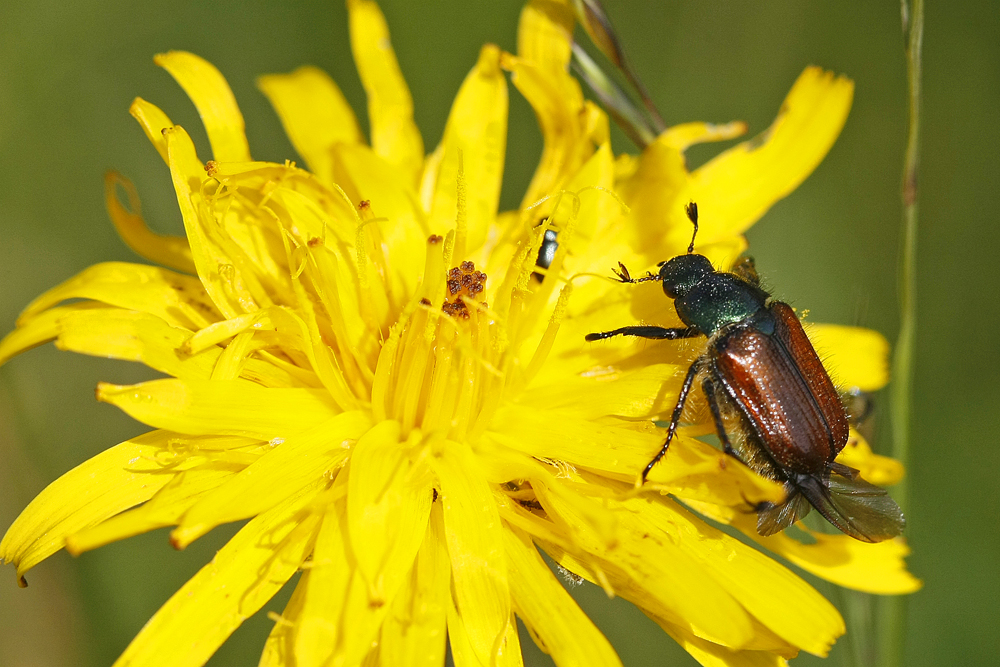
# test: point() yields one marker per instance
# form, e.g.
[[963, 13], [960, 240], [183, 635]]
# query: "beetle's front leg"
[[655, 333], [675, 418]]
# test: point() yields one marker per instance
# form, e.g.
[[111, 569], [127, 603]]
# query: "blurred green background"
[[68, 72]]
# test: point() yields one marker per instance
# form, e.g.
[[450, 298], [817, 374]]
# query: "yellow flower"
[[366, 362]]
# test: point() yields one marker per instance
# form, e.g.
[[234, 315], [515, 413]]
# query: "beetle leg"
[[656, 333], [720, 427], [674, 418]]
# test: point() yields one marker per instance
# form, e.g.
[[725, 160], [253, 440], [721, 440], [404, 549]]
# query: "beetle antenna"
[[692, 212]]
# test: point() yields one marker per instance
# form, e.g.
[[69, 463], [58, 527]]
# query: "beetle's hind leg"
[[656, 333], [675, 418]]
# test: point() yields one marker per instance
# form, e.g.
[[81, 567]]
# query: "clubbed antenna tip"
[[692, 212]]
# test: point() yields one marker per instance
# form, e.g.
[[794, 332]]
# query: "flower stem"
[[892, 630]]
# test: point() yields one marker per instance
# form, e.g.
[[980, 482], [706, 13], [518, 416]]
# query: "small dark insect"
[[546, 252], [764, 380]]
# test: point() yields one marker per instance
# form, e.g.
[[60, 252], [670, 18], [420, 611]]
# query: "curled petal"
[[214, 100]]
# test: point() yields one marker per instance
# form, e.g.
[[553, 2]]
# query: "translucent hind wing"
[[862, 510], [773, 518]]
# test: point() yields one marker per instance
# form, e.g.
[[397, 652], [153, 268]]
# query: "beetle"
[[546, 251], [773, 404]]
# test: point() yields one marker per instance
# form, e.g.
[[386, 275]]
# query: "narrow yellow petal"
[[291, 465], [685, 135], [400, 222], [475, 137], [134, 336], [234, 407], [40, 329], [854, 356], [227, 293], [244, 575], [171, 251], [315, 115], [164, 509], [474, 534], [395, 136], [557, 101], [279, 649], [215, 102], [153, 121], [114, 480], [318, 627], [545, 34], [414, 631], [388, 502], [737, 187], [463, 653], [544, 605], [175, 298]]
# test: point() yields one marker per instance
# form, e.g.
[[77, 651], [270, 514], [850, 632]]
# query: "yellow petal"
[[401, 224], [476, 138], [114, 480], [879, 470], [545, 33], [395, 136], [291, 465], [779, 599], [685, 135], [134, 336], [215, 102], [854, 356], [737, 187], [318, 627], [557, 101], [464, 654], [873, 568], [164, 509], [153, 121], [219, 277], [414, 631], [244, 575], [175, 298], [634, 393], [554, 617], [388, 502], [474, 534], [712, 655], [618, 447], [279, 649], [656, 194], [171, 251], [315, 115], [234, 407], [40, 329], [669, 576]]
